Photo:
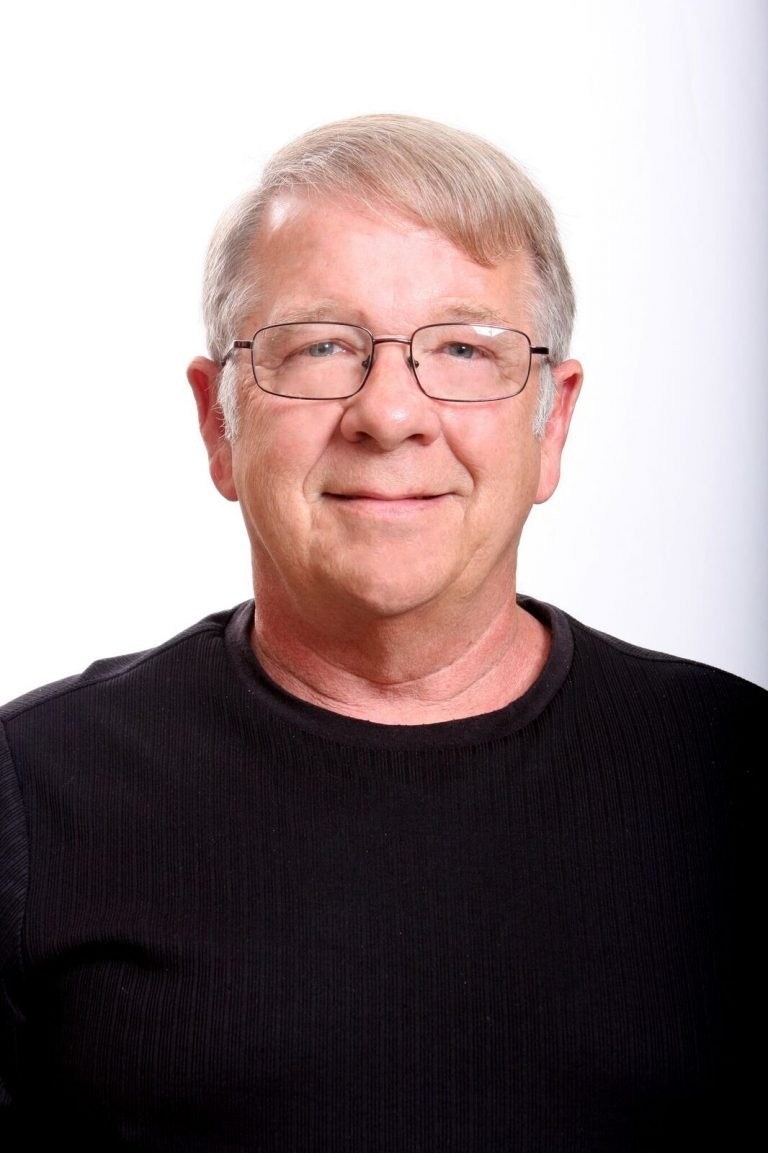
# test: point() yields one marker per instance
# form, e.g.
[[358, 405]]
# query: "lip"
[[389, 497], [387, 504]]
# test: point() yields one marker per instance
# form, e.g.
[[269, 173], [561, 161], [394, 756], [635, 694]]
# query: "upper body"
[[233, 920], [502, 904]]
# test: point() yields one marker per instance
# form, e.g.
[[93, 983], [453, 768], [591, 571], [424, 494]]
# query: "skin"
[[384, 528]]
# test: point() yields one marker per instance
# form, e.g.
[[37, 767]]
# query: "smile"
[[365, 495], [387, 504]]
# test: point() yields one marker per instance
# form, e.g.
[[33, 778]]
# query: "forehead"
[[313, 257]]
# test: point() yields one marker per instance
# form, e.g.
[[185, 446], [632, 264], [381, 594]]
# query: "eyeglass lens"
[[451, 361]]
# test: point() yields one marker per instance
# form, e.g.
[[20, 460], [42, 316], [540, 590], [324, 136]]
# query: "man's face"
[[387, 500]]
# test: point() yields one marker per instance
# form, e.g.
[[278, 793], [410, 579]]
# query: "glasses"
[[323, 360]]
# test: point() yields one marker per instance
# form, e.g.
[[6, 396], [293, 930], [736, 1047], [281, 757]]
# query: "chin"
[[382, 599]]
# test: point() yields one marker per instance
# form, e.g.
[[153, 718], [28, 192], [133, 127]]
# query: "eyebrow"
[[459, 310], [473, 313], [322, 310]]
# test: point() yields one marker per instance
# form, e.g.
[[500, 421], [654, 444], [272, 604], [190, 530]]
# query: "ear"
[[567, 377], [203, 376]]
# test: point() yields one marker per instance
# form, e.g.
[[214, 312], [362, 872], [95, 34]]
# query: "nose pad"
[[394, 409], [368, 361]]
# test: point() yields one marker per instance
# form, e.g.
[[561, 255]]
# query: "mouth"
[[386, 504], [384, 496]]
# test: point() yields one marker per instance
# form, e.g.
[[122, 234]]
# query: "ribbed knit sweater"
[[231, 920]]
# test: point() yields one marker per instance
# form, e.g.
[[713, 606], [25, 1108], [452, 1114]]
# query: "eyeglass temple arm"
[[540, 351], [235, 344]]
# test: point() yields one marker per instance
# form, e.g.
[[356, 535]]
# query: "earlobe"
[[567, 378], [203, 375]]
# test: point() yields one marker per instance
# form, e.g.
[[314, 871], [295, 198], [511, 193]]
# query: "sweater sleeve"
[[14, 869]]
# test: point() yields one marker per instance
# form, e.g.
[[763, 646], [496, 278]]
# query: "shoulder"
[[617, 687], [640, 669], [123, 674]]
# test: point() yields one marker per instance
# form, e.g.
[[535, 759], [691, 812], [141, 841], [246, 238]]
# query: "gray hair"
[[451, 181]]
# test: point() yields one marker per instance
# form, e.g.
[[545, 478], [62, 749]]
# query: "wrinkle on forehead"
[[285, 211], [444, 311]]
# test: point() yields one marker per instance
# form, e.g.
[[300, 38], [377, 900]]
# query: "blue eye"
[[323, 348], [462, 351]]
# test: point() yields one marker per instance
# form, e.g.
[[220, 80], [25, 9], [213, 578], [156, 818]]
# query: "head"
[[386, 501], [447, 180]]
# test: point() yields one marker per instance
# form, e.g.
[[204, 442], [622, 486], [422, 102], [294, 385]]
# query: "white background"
[[126, 130]]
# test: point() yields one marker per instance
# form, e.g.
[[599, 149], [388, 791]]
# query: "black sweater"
[[230, 920]]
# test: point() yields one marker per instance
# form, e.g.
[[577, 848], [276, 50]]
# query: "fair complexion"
[[384, 527]]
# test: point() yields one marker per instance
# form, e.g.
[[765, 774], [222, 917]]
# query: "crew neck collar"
[[330, 725]]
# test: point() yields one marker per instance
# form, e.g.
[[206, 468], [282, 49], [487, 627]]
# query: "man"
[[388, 858]]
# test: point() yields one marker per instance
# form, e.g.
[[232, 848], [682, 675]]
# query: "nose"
[[390, 408]]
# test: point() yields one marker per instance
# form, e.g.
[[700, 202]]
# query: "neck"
[[420, 667]]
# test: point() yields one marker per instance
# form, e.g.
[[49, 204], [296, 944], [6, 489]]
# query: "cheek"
[[499, 451], [279, 444]]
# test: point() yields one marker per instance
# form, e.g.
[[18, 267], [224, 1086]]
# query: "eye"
[[323, 349], [462, 351]]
